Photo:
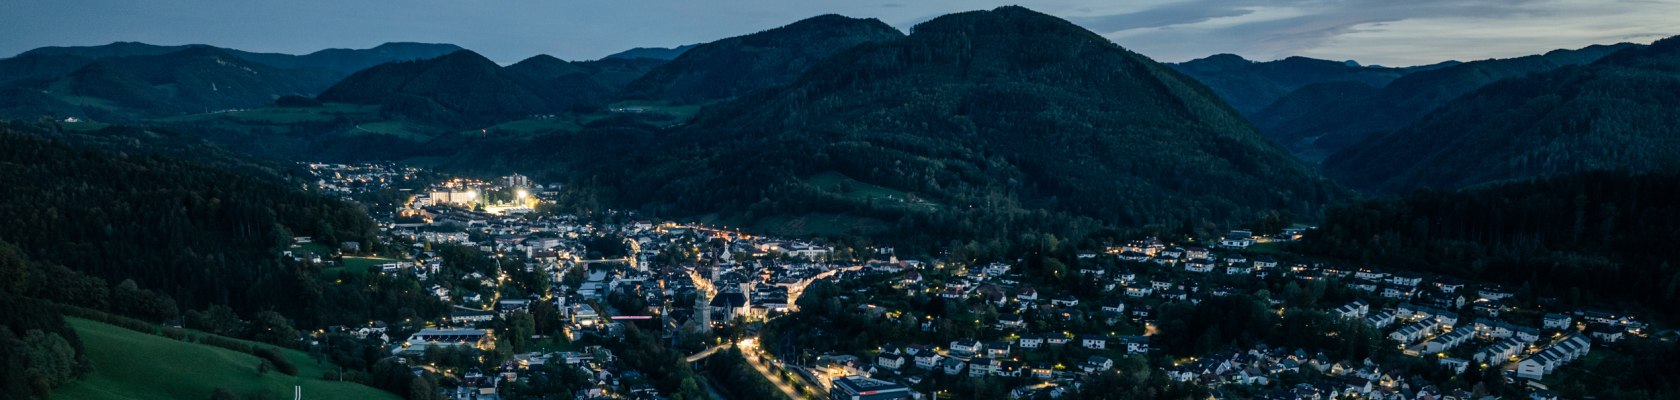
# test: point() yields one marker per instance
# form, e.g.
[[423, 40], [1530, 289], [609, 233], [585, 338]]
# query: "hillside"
[[192, 80], [1594, 235], [977, 124], [568, 84], [461, 89], [738, 65], [1315, 126], [133, 365], [1250, 86], [219, 245], [1620, 113], [346, 61]]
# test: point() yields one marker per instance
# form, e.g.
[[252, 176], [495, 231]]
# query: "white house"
[[1093, 342]]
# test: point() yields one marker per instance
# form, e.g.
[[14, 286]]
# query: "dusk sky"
[[1383, 32]]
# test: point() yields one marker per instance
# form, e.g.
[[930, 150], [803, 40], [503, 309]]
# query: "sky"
[[1383, 32]]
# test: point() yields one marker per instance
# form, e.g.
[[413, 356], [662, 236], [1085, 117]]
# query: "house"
[[1065, 301], [1456, 365], [952, 366], [1380, 319], [1494, 293], [1238, 269], [929, 360], [1561, 352], [463, 315], [1398, 292], [981, 366], [1028, 294], [1500, 351], [1407, 280], [1195, 253], [1199, 265], [1138, 291], [1057, 339], [1011, 321], [1114, 306], [995, 269], [1030, 342], [1093, 342], [1606, 333], [1415, 331], [998, 350], [1356, 309], [1136, 344], [1237, 240], [1556, 321], [892, 361], [967, 346], [1098, 363], [1449, 340]]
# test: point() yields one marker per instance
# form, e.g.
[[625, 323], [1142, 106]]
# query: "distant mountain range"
[[1250, 86], [657, 53], [127, 81], [1620, 113], [1316, 125]]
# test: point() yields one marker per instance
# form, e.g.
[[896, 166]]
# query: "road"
[[751, 354], [708, 352]]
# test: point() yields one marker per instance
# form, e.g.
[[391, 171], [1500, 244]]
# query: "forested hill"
[[982, 123], [128, 81], [588, 84], [193, 80], [1250, 86], [1620, 113], [460, 89], [192, 234], [1316, 126], [738, 65], [1593, 236]]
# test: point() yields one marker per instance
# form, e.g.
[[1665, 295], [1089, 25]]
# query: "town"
[[551, 293]]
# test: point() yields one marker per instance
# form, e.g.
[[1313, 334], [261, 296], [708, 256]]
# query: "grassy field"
[[359, 265], [134, 365], [309, 248], [834, 182]]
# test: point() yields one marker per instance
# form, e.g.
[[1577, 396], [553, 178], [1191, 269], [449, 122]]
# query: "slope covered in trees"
[[984, 123], [1592, 236], [738, 65], [168, 234], [1316, 126], [1620, 113], [460, 89], [193, 80]]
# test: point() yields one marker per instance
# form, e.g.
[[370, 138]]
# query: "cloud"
[[1376, 31], [1177, 14]]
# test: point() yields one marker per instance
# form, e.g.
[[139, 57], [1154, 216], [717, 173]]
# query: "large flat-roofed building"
[[420, 341], [861, 388]]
